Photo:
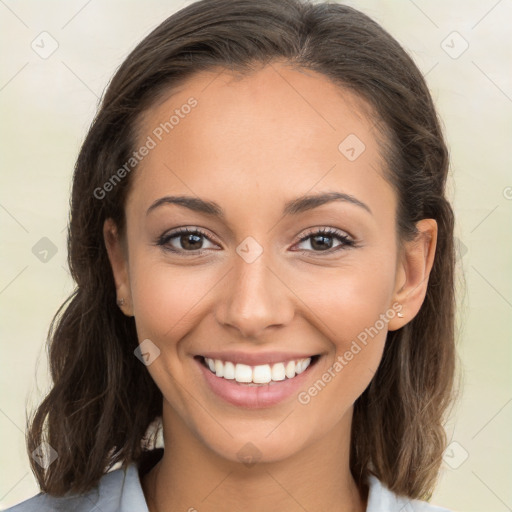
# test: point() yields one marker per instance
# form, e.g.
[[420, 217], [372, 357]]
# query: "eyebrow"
[[293, 207]]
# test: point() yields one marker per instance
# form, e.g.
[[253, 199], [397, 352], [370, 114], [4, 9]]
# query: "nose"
[[255, 299]]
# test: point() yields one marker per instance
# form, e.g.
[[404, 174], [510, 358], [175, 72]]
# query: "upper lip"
[[256, 358]]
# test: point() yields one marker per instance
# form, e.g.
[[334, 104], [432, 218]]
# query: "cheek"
[[347, 300], [167, 298], [351, 308], [168, 301]]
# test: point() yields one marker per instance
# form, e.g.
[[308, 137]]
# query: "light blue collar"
[[121, 491]]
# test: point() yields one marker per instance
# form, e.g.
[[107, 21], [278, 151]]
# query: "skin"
[[252, 144]]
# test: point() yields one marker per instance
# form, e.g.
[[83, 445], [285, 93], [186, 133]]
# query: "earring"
[[400, 314], [120, 302]]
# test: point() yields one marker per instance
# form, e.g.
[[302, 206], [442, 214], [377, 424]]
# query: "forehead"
[[278, 131]]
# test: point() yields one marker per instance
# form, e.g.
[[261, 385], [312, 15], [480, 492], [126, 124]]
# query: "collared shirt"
[[121, 491]]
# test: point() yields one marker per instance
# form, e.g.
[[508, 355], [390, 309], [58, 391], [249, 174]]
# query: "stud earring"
[[400, 314], [120, 302]]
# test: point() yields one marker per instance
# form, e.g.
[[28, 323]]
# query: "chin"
[[250, 450]]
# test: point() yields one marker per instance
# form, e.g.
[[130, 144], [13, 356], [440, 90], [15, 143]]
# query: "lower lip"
[[254, 397]]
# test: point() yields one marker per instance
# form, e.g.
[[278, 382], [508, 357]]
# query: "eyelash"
[[346, 242]]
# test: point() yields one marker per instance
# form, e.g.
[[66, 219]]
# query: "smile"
[[255, 380], [260, 374]]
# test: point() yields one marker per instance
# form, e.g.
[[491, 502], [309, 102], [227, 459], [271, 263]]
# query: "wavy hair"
[[102, 399]]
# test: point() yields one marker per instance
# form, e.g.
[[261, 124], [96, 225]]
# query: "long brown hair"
[[103, 399]]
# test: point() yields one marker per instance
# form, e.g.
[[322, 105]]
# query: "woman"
[[263, 253]]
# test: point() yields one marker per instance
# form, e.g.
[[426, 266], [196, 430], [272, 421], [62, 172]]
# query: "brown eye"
[[184, 240], [322, 240], [190, 241]]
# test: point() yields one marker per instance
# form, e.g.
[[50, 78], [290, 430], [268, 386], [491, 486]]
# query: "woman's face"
[[246, 290]]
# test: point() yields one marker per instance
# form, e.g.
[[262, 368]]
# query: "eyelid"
[[325, 230]]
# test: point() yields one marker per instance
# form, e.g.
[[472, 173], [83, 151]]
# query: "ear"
[[414, 266], [118, 256]]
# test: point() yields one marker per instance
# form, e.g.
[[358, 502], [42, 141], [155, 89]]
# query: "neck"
[[190, 476]]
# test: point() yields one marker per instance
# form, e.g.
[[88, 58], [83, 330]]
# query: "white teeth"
[[303, 364], [219, 368], [229, 370], [278, 372], [261, 374], [290, 369], [243, 373]]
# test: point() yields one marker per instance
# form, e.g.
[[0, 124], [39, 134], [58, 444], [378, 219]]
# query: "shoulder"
[[381, 499], [118, 491]]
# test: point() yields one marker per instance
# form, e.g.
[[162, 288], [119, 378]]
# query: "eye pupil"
[[187, 241], [318, 242]]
